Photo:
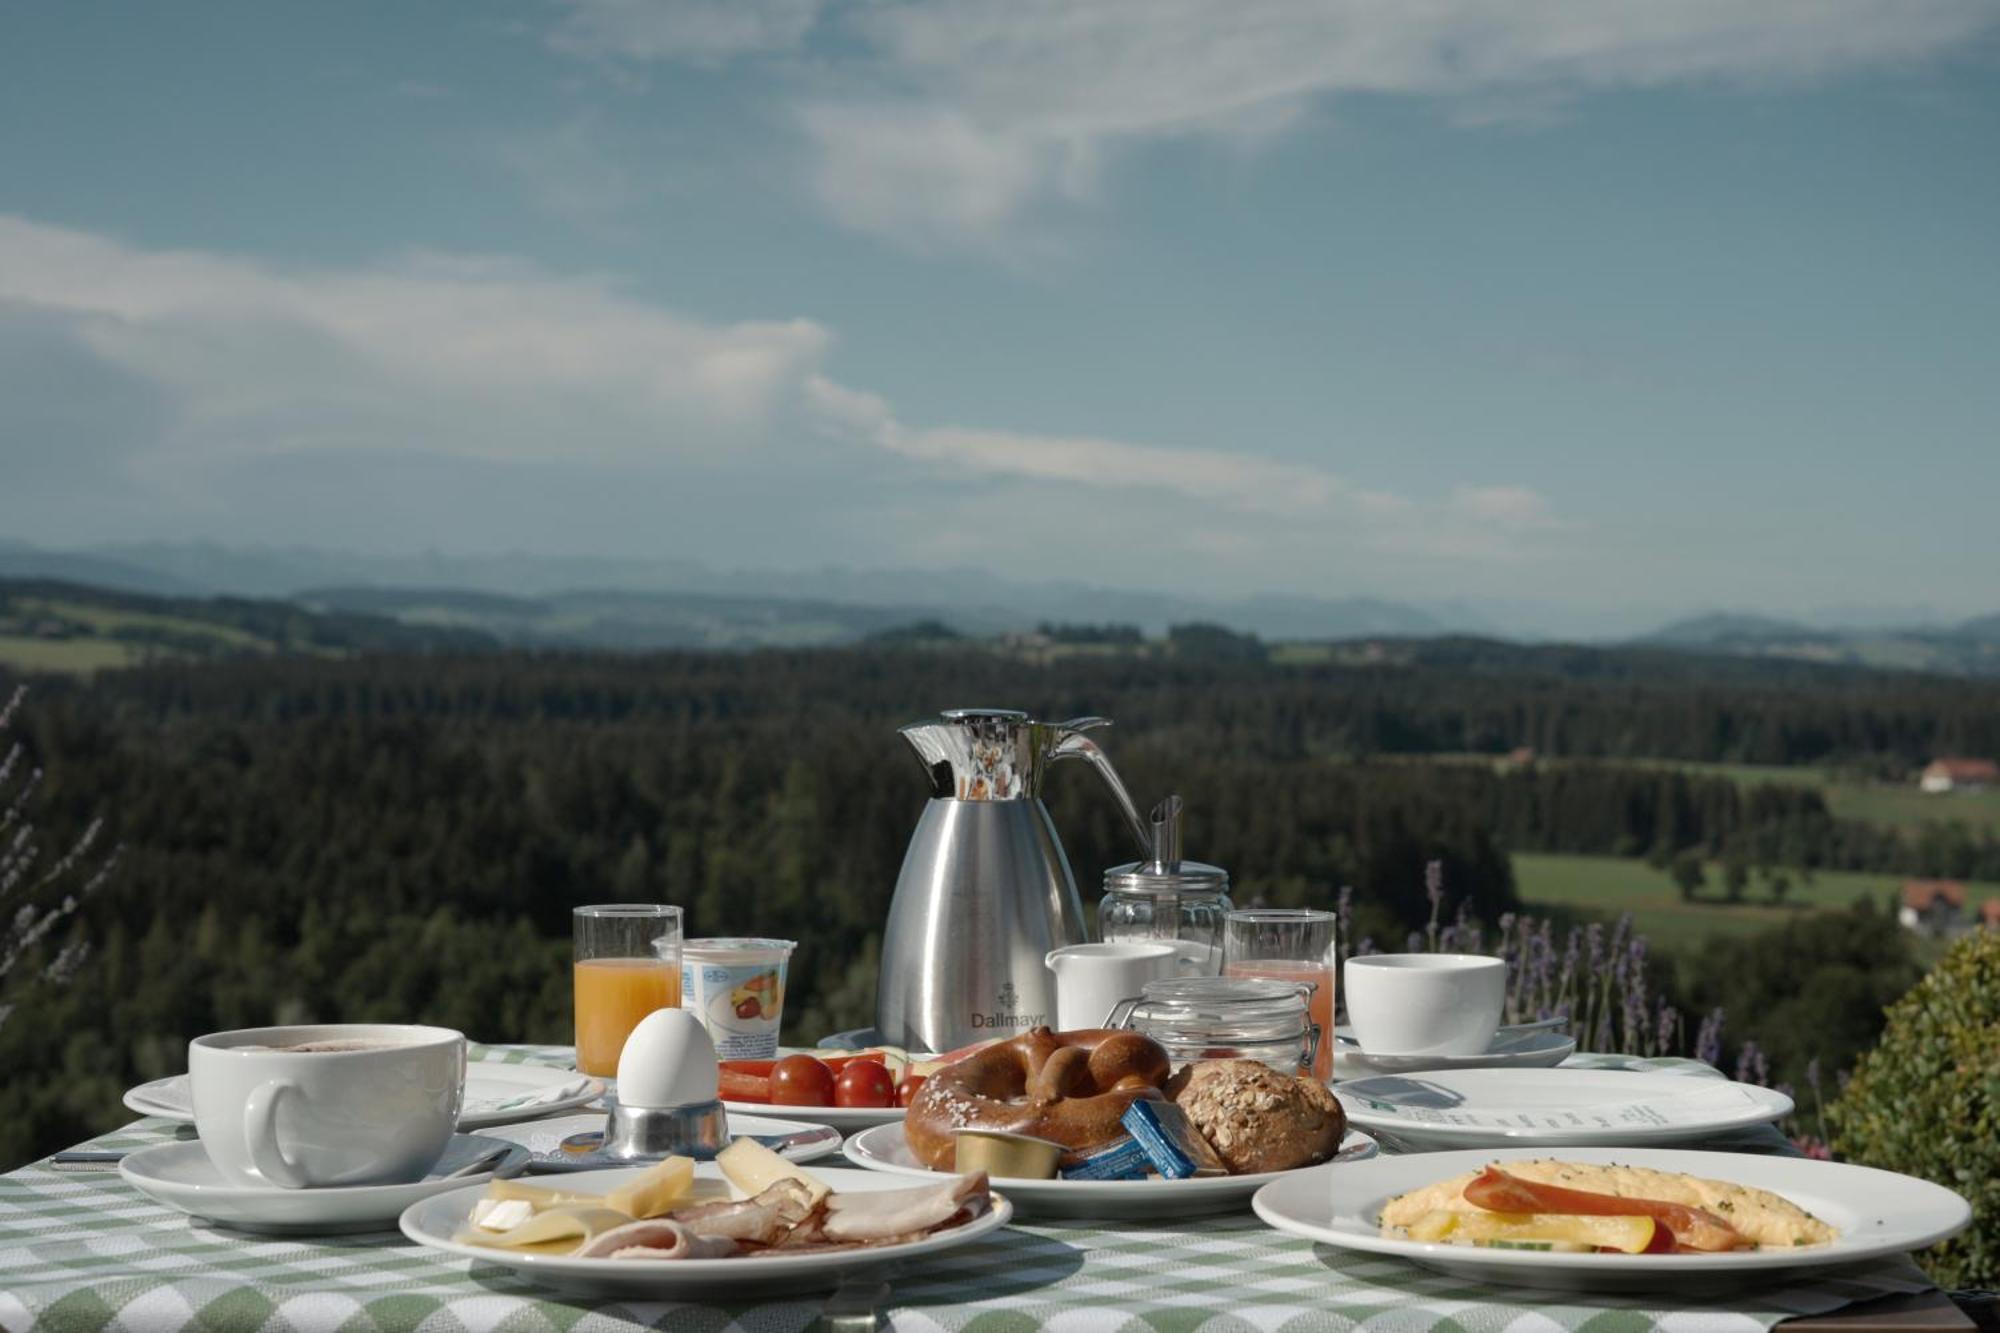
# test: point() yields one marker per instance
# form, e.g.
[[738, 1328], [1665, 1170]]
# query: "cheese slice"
[[656, 1190], [557, 1230], [537, 1196], [753, 1168]]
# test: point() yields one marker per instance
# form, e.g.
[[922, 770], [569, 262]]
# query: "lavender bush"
[[37, 894], [1597, 979]]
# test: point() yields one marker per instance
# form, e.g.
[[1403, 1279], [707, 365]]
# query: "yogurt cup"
[[736, 988]]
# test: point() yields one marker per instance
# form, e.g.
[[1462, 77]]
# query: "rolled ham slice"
[[879, 1216], [1692, 1228], [656, 1238], [762, 1219]]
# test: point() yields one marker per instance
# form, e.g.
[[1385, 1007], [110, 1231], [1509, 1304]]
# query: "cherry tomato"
[[864, 1083], [800, 1080], [908, 1089]]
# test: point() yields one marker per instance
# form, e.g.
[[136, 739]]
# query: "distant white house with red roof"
[[1943, 775], [1932, 906]]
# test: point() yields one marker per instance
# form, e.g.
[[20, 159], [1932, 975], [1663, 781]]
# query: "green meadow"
[[1611, 884]]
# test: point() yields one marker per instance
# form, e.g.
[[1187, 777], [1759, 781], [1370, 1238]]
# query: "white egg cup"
[[648, 1133], [669, 1065]]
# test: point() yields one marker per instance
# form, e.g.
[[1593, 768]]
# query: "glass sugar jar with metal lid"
[[1224, 1018], [1166, 898]]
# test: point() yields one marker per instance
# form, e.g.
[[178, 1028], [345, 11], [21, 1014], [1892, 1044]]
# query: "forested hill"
[[51, 625], [1407, 697]]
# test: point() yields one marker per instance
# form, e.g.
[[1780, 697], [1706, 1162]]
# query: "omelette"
[[1758, 1217]]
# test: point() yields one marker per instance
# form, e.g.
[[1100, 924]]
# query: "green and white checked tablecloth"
[[84, 1253]]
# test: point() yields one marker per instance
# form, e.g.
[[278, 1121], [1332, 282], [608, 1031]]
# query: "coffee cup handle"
[[260, 1135]]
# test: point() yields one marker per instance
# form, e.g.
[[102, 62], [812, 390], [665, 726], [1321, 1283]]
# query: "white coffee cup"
[[1424, 1003], [1092, 978], [375, 1104]]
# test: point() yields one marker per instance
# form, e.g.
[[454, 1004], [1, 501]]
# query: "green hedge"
[[1926, 1101]]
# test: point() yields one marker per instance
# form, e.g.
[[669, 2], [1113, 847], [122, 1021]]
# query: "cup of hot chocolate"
[[327, 1104]]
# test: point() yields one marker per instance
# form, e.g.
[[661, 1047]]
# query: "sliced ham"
[[1692, 1228], [762, 1219], [884, 1216], [656, 1238]]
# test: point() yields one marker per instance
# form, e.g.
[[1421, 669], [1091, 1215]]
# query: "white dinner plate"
[[1876, 1213], [1528, 1050], [495, 1094], [544, 1138], [434, 1221], [1547, 1108], [846, 1119], [885, 1149], [180, 1176]]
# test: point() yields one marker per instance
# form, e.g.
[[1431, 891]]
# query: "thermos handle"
[[1072, 743]]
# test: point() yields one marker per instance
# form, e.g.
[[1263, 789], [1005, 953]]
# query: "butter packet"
[[1121, 1159], [1174, 1147]]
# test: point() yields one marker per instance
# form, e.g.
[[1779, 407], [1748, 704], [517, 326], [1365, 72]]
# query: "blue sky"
[[1593, 310]]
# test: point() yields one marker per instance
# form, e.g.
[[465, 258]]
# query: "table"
[[82, 1251]]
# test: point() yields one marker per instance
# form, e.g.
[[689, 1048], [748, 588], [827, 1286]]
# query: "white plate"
[[1876, 1213], [544, 1138], [885, 1149], [495, 1094], [846, 1119], [433, 1222], [1529, 1050], [180, 1176], [1553, 1107]]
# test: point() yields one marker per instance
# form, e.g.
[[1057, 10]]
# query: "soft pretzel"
[[1067, 1087]]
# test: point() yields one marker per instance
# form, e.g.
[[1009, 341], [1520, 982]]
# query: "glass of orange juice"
[[1292, 944], [628, 963]]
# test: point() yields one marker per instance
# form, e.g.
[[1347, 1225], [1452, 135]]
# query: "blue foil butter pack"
[[1122, 1159], [1173, 1146]]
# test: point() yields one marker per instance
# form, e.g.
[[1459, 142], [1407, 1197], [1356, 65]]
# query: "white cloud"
[[478, 357], [499, 363], [1509, 507], [699, 31], [949, 121], [569, 174]]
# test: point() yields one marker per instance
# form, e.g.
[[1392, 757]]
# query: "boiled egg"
[[668, 1061]]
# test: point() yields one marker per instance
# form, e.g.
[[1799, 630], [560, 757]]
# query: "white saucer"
[[885, 1149], [846, 1119], [1527, 1050], [1549, 1108], [433, 1223], [180, 1176], [544, 1138], [495, 1094]]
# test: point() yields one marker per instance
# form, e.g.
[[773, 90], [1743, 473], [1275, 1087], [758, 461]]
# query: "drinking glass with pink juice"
[[1293, 945]]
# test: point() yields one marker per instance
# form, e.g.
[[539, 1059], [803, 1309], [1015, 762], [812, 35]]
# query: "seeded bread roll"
[[1256, 1118]]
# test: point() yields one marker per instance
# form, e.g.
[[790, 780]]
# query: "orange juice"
[[1319, 1004], [612, 995]]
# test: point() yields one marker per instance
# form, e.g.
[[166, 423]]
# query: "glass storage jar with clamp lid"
[[1168, 899], [1225, 1018]]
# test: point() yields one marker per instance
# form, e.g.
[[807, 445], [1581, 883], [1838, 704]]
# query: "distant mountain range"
[[585, 602], [640, 604], [1970, 647]]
